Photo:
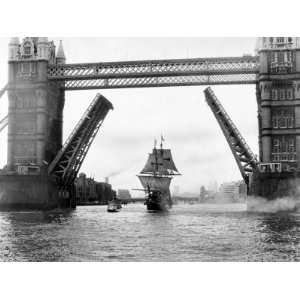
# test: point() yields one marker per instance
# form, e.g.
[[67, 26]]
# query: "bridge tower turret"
[[278, 99], [60, 56], [13, 48]]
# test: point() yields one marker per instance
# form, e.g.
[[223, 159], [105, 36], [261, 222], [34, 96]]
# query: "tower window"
[[289, 94], [280, 57], [25, 67], [283, 118], [275, 122], [282, 94], [27, 50], [280, 40], [290, 122], [274, 56], [276, 146], [282, 122], [274, 94], [283, 149]]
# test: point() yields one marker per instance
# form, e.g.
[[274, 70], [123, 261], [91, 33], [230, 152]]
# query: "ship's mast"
[[161, 142], [155, 155]]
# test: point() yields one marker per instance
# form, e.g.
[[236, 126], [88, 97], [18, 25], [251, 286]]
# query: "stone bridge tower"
[[35, 105], [35, 119], [278, 99]]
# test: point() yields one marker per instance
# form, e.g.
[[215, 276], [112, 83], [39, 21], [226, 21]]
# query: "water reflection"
[[186, 233], [280, 235], [280, 222], [34, 236], [59, 217]]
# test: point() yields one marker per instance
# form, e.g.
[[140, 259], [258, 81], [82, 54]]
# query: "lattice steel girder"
[[67, 162], [3, 123], [143, 82], [242, 153], [3, 90], [105, 75]]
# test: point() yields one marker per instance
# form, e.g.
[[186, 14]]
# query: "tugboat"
[[114, 205], [156, 178]]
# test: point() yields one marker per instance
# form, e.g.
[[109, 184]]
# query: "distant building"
[[203, 194], [87, 190], [213, 186], [233, 191], [124, 194], [206, 195]]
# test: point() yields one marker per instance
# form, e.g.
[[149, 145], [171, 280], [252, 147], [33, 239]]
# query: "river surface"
[[199, 232]]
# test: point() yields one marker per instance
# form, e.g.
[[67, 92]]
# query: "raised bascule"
[[40, 171], [244, 157]]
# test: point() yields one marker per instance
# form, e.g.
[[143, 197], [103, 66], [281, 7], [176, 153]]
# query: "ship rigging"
[[156, 178]]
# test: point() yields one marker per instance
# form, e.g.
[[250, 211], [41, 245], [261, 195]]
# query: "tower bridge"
[[40, 170]]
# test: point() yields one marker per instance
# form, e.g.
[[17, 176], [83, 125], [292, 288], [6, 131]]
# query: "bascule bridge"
[[40, 169]]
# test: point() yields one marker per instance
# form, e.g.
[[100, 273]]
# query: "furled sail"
[[160, 161], [155, 182]]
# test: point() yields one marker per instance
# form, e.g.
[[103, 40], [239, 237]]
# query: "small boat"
[[114, 205]]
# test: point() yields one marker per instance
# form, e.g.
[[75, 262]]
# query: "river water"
[[199, 232]]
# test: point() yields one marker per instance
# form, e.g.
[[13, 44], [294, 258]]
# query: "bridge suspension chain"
[[245, 158], [68, 161]]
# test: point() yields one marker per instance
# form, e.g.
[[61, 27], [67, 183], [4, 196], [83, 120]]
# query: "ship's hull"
[[152, 206], [158, 193], [160, 204]]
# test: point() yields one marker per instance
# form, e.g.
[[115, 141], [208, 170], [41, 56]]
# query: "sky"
[[180, 114]]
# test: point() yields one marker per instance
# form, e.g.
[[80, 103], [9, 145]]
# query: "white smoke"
[[258, 204]]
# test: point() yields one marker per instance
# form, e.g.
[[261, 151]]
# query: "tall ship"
[[156, 178]]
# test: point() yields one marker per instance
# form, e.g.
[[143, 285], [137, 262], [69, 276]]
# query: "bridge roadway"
[[156, 73]]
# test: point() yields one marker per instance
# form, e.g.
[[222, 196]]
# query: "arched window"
[[27, 49]]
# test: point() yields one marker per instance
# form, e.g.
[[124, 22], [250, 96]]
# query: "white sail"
[[160, 162], [155, 182]]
